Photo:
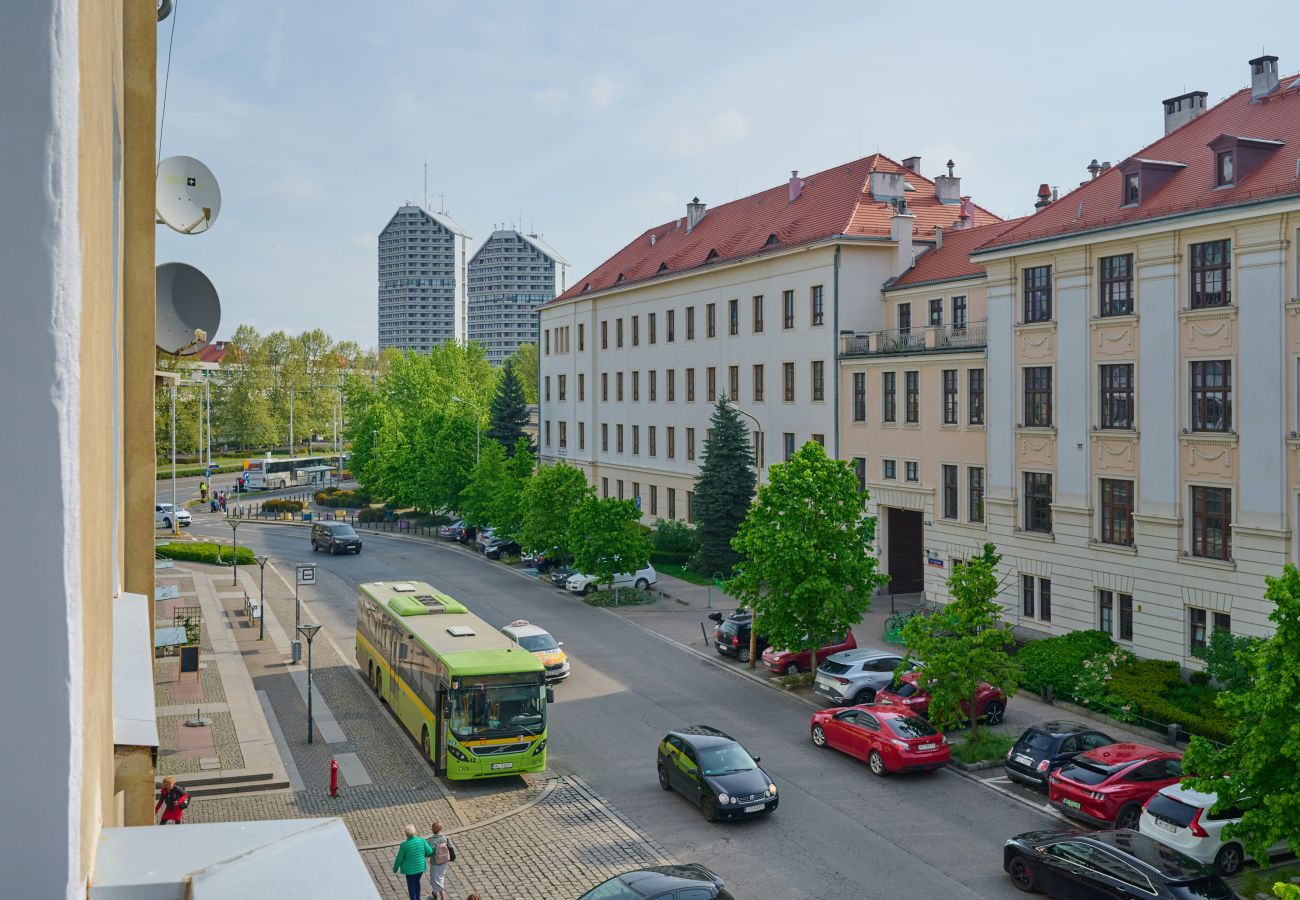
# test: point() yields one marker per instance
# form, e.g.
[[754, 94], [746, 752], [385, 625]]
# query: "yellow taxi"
[[538, 641]]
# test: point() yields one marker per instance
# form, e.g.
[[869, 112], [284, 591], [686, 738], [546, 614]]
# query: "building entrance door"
[[905, 564]]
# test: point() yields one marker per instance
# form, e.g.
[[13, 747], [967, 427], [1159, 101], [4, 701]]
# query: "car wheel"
[[167, 523], [663, 779], [743, 654], [792, 669], [876, 763], [314, 548], [424, 743], [863, 697], [1129, 817], [642, 584], [818, 736], [993, 712], [710, 809], [588, 589], [1229, 859], [1021, 875]]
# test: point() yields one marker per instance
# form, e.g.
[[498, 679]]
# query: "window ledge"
[[949, 426], [1045, 537], [1111, 434], [1229, 565], [1228, 438], [1209, 312], [1123, 549], [1030, 327], [912, 425], [1129, 319], [1047, 430]]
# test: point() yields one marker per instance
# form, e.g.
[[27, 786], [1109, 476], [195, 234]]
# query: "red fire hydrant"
[[334, 777]]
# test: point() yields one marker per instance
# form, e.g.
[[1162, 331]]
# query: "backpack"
[[443, 852]]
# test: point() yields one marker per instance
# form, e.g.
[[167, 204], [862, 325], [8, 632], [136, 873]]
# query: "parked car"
[[888, 739], [560, 576], [792, 662], [1182, 819], [854, 676], [538, 641], [731, 636], [543, 560], [640, 579], [336, 537], [482, 538], [990, 703], [1107, 864], [452, 530], [1044, 748], [163, 515], [712, 770], [500, 548], [691, 881], [1107, 787]]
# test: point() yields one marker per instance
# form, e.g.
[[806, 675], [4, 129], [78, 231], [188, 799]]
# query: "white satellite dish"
[[186, 195], [187, 309]]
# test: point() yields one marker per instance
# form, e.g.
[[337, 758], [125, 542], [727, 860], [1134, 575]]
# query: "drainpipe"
[[835, 300]]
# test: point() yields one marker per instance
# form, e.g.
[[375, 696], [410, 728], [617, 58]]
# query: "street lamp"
[[478, 425], [261, 599], [234, 561], [308, 631]]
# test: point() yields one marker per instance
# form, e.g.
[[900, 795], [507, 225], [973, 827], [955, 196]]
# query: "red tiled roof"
[[836, 201], [952, 260], [214, 352], [1096, 204]]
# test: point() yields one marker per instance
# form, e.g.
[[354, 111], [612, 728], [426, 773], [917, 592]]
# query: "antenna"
[[187, 197], [187, 310], [426, 182], [442, 204]]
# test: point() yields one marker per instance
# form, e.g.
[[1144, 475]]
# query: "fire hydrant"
[[334, 777]]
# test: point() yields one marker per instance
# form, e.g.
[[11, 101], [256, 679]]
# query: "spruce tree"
[[723, 491], [508, 415]]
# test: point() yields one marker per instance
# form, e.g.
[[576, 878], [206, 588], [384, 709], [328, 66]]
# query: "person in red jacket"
[[173, 796]]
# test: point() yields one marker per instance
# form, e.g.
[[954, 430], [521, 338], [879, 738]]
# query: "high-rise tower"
[[422, 299], [509, 277]]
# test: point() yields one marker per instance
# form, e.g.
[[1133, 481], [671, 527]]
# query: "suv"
[[731, 635], [640, 579], [854, 676], [163, 514], [1043, 749], [1108, 787], [990, 703], [1179, 818], [336, 537], [792, 662]]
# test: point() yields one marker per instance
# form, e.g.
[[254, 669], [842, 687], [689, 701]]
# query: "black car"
[[336, 537], [1105, 864], [731, 636], [690, 882], [712, 770], [560, 576], [1044, 748], [499, 548]]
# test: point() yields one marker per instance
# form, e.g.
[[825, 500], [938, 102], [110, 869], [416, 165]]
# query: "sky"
[[588, 122]]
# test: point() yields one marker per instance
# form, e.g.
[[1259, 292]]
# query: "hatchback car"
[[854, 676], [452, 530], [792, 662], [1182, 819], [1044, 748], [336, 537], [538, 641], [731, 635], [560, 576], [1107, 864], [1107, 787], [640, 579], [990, 703], [712, 770], [482, 538], [499, 549], [163, 516], [888, 739], [691, 881]]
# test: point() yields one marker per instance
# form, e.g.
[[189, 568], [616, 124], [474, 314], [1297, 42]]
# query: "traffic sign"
[[306, 574]]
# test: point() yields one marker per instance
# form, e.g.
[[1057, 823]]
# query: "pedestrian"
[[203, 490], [444, 853], [174, 797], [473, 897], [215, 504], [412, 859], [223, 501], [239, 485]]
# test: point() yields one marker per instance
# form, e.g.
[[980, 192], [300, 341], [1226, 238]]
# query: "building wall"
[[509, 278], [422, 275]]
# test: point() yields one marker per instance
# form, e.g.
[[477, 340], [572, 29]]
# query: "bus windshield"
[[484, 711]]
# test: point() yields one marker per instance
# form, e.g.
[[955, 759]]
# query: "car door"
[[837, 728], [867, 734], [880, 672], [692, 777], [1069, 873], [675, 762]]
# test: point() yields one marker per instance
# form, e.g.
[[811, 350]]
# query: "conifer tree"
[[508, 415], [723, 491]]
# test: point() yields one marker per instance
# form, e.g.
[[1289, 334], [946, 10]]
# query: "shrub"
[[1154, 688], [988, 746], [215, 554], [373, 514], [1227, 659], [1058, 661], [619, 597], [282, 506], [335, 498], [673, 558], [674, 537]]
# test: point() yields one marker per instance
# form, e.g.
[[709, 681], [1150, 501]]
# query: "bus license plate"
[[750, 809], [508, 765]]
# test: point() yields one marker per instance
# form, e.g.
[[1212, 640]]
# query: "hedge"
[[1058, 661], [216, 554], [1155, 689], [373, 514], [282, 506], [335, 498], [676, 558]]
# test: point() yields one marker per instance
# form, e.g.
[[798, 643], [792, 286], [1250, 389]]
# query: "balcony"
[[924, 339]]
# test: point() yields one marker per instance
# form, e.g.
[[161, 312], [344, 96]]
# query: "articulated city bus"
[[266, 473], [473, 698]]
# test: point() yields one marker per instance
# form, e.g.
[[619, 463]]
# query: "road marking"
[[352, 769], [286, 755], [320, 713]]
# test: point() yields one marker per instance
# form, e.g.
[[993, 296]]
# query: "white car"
[[538, 641], [1181, 819], [163, 515], [640, 579]]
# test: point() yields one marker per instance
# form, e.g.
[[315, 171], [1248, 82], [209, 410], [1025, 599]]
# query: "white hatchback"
[[1181, 819], [640, 579], [163, 515]]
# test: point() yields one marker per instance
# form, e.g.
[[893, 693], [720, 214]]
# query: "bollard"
[[1172, 734], [1048, 693], [334, 777], [704, 632]]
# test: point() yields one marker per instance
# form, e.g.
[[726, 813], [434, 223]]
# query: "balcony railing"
[[923, 339]]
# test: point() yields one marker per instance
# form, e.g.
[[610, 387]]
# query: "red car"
[[990, 703], [792, 662], [1107, 787], [889, 739]]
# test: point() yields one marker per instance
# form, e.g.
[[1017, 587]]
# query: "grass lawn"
[[990, 746], [679, 571], [1255, 882]]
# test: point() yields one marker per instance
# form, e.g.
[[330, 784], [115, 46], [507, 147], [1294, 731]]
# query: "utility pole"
[[291, 423], [207, 395], [176, 524]]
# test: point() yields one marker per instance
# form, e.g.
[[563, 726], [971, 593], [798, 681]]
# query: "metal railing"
[[974, 334], [919, 339]]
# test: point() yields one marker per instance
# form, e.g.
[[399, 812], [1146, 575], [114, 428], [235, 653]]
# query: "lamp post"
[[478, 426], [176, 522], [761, 438], [261, 598], [308, 631], [234, 562]]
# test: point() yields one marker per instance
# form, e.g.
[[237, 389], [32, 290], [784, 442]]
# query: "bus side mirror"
[[550, 694]]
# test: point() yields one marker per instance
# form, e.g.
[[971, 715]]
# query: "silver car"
[[852, 677]]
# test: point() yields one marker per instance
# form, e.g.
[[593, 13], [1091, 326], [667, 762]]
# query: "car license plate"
[[1167, 826], [1073, 804], [926, 746], [758, 808], [508, 765], [1024, 760]]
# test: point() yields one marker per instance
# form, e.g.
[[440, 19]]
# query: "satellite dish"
[[187, 309], [186, 195]]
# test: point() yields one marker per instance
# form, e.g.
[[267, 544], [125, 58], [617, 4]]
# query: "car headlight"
[[771, 790], [723, 798]]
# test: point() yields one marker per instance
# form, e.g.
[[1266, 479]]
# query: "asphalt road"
[[839, 831]]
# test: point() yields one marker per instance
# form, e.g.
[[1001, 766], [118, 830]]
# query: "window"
[[618, 381], [1196, 629], [1106, 611], [546, 388], [711, 383], [949, 492], [787, 380], [582, 329], [1212, 395], [582, 386], [1106, 603], [654, 499], [690, 505], [1044, 598], [636, 441], [650, 435], [564, 434], [758, 382], [711, 320], [618, 434], [819, 439], [859, 396], [604, 437], [652, 382], [670, 384], [672, 441], [604, 487], [562, 384], [604, 334], [1223, 622], [950, 396], [888, 397], [690, 443], [788, 444], [1038, 502], [975, 397], [904, 319], [690, 385], [1115, 398], [1211, 509], [670, 325], [636, 331], [1038, 294], [1027, 596], [618, 332], [1223, 169], [733, 317], [733, 382], [787, 309], [936, 312], [756, 444], [1038, 396], [912, 471], [758, 314], [604, 387], [1211, 274], [1132, 189], [974, 494], [548, 432], [1116, 512], [818, 307], [620, 489], [860, 470], [911, 397], [1117, 285], [959, 315], [548, 342], [818, 380], [690, 323], [888, 469], [1125, 617], [650, 327]]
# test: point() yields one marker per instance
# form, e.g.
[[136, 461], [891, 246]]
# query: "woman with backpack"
[[173, 796], [444, 854]]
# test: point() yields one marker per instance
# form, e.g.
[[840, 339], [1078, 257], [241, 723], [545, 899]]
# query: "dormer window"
[[1236, 156], [1132, 193], [1223, 169], [1144, 177]]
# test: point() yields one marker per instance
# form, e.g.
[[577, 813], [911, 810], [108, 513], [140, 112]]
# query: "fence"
[[389, 521]]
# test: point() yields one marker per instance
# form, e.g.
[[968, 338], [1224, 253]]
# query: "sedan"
[[887, 739], [452, 531], [1044, 748], [482, 539], [560, 576], [792, 662], [713, 771], [990, 703], [499, 549], [1107, 864], [691, 882], [1107, 787]]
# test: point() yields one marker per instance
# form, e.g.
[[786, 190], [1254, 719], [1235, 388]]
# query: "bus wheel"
[[424, 743]]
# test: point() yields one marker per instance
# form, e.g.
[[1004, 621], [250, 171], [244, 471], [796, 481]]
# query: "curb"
[[1011, 795], [491, 820]]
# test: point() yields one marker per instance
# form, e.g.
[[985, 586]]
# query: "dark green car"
[[713, 771]]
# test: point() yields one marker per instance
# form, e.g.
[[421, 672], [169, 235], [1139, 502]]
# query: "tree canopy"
[[508, 415], [524, 362], [547, 508], [606, 539], [723, 491]]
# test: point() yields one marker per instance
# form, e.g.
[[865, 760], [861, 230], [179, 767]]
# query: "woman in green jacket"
[[412, 859]]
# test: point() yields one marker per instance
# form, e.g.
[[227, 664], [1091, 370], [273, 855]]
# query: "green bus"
[[474, 699]]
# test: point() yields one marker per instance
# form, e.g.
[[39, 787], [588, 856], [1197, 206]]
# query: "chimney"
[[1182, 109], [913, 164], [947, 188], [965, 218], [887, 185], [652, 240], [938, 237], [796, 185], [1263, 76], [1044, 197], [694, 212], [900, 230]]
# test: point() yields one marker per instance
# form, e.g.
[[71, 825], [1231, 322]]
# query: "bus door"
[[440, 730]]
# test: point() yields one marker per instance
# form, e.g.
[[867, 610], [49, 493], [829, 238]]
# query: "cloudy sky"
[[590, 121]]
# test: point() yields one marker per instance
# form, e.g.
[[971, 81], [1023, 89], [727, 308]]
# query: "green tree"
[[508, 507], [1228, 659], [606, 539], [964, 644], [808, 569], [723, 491], [241, 408], [187, 408], [547, 506], [479, 499], [525, 364], [1261, 765], [508, 416]]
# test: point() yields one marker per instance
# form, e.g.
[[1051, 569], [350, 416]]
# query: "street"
[[839, 831]]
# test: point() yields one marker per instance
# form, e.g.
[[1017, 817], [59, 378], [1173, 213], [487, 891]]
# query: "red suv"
[[1107, 787], [990, 703], [792, 662]]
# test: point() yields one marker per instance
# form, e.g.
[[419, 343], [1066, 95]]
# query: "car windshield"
[[911, 727], [1176, 811], [538, 642], [1034, 740], [903, 688], [496, 710], [725, 759], [343, 531], [614, 889], [1202, 889], [835, 668], [1089, 772]]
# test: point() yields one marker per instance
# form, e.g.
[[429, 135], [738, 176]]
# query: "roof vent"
[[713, 254], [653, 238], [1263, 76], [1180, 110], [461, 631], [772, 240], [663, 267], [1094, 167], [403, 587], [620, 279], [694, 212], [796, 185], [1044, 197]]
